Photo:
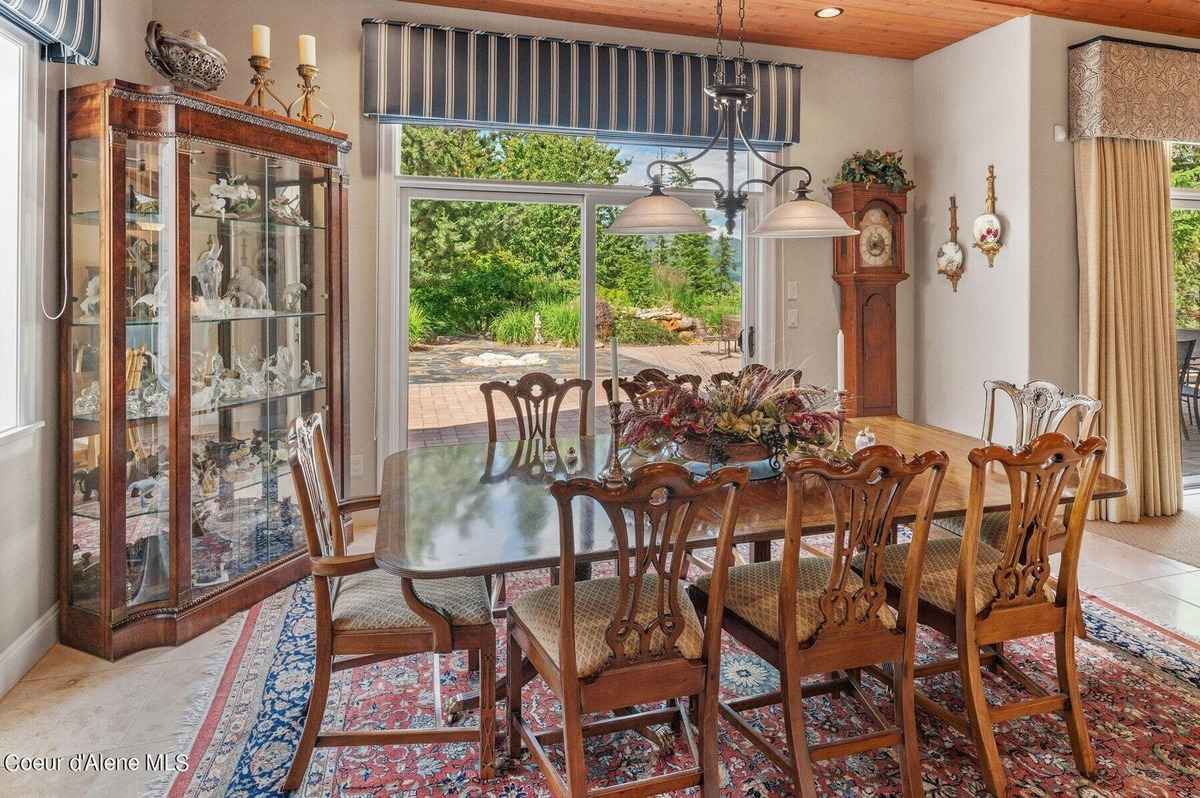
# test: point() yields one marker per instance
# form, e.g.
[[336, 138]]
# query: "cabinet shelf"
[[93, 418], [263, 316], [255, 224]]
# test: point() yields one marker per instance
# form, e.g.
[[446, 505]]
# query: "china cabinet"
[[207, 277]]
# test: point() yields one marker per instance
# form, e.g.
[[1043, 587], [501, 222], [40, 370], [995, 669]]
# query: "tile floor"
[[73, 703]]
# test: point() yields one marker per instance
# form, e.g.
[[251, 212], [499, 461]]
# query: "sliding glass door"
[[494, 293]]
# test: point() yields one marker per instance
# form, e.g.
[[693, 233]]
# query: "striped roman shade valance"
[[415, 72], [70, 29]]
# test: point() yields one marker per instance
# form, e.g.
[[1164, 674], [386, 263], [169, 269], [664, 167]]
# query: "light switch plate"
[[793, 318], [793, 290], [356, 465]]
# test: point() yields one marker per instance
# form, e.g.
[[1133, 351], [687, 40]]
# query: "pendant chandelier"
[[658, 213]]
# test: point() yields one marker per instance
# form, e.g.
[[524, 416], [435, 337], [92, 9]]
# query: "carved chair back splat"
[[1037, 475], [536, 399], [1040, 407], [651, 520], [864, 495]]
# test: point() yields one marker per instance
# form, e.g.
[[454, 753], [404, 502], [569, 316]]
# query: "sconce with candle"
[[260, 62], [307, 69]]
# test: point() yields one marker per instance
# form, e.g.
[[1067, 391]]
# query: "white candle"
[[260, 41], [616, 383], [841, 361], [308, 49]]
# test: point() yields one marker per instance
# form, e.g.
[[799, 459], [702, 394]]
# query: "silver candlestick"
[[614, 473]]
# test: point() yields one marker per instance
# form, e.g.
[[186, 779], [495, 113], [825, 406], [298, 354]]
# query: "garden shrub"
[[418, 324], [631, 330]]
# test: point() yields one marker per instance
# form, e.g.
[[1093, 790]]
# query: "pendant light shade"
[[658, 214], [803, 218]]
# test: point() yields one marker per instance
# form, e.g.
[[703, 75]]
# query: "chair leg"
[[312, 721], [906, 718], [512, 709], [487, 711], [577, 785], [709, 747], [793, 716], [979, 717], [473, 661], [1068, 683]]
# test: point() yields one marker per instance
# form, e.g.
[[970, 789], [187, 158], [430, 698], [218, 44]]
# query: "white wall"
[[28, 475], [835, 121], [971, 109]]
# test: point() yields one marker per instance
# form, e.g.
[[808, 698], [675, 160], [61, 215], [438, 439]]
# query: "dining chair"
[[1039, 407], [721, 377], [536, 399], [983, 596], [1184, 350], [615, 643], [816, 615], [655, 376], [363, 615], [632, 388]]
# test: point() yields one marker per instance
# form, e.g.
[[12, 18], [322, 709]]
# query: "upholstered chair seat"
[[595, 607], [753, 595], [994, 528], [939, 577], [374, 600]]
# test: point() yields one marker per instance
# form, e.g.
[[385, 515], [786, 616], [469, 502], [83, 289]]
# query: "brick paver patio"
[[446, 407]]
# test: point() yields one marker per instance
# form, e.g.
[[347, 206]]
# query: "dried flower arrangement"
[[759, 415]]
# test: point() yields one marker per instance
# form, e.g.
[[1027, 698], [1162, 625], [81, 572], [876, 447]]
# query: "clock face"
[[875, 241]]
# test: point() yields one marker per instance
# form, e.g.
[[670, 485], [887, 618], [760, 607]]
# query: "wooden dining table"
[[485, 508]]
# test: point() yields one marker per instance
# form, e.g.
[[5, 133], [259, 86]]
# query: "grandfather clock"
[[868, 267]]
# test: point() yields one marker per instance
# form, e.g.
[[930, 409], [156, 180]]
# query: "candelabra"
[[308, 94], [257, 98], [614, 473]]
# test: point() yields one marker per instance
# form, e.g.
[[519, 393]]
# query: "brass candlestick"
[[614, 473], [308, 93], [257, 98]]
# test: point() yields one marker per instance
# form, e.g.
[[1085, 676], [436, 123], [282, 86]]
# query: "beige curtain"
[[1127, 318]]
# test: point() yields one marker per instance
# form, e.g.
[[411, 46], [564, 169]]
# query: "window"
[[504, 266], [1185, 230], [21, 206]]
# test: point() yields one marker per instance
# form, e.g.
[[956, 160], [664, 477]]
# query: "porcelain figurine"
[[88, 401], [293, 297], [89, 306], [247, 291], [208, 270], [287, 211], [158, 301]]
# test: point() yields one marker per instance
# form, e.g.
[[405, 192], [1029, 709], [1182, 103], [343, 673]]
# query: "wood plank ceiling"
[[892, 28]]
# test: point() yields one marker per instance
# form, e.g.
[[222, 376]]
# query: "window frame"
[[32, 204]]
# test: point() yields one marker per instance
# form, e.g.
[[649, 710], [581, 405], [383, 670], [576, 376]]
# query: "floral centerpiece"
[[759, 415]]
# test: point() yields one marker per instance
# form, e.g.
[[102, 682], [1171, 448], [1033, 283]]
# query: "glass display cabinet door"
[[148, 366], [86, 381], [258, 352], [120, 344]]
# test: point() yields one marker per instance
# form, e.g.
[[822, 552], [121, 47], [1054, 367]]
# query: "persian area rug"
[[1141, 686]]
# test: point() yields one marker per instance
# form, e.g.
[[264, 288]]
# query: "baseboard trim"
[[26, 650]]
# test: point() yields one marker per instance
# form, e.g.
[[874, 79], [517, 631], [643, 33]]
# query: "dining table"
[[485, 508]]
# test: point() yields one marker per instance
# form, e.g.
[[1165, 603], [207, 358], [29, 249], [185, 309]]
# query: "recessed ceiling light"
[[828, 13]]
